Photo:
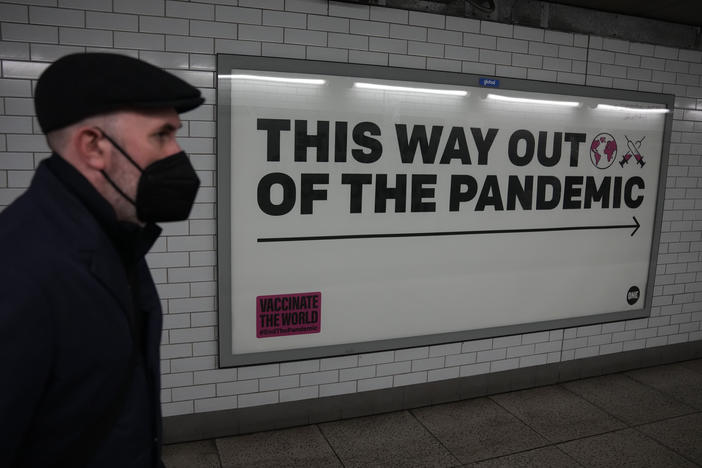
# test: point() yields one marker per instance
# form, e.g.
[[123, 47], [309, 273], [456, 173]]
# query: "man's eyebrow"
[[168, 127]]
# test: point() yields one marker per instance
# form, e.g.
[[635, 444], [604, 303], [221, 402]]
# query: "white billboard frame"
[[226, 63]]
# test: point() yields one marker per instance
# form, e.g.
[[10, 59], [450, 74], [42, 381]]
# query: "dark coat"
[[65, 339]]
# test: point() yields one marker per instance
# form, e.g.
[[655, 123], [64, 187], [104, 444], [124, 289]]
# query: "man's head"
[[114, 118]]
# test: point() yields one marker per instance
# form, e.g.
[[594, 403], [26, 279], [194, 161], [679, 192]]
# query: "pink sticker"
[[288, 314]]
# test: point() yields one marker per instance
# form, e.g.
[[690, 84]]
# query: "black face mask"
[[166, 189]]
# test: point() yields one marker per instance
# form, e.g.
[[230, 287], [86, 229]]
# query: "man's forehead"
[[152, 117]]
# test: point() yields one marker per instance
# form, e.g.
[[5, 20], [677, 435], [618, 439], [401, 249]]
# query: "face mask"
[[166, 189]]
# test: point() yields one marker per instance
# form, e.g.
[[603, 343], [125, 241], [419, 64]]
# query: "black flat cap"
[[82, 85]]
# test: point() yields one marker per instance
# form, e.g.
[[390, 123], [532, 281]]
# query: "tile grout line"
[[434, 436], [549, 443], [329, 444], [517, 416], [219, 454], [554, 443], [661, 392], [635, 427], [626, 424], [681, 455]]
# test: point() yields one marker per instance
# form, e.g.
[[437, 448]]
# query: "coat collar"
[[107, 245]]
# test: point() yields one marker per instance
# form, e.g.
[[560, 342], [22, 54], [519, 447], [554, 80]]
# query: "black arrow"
[[636, 226]]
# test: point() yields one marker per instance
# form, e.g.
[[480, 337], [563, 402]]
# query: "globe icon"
[[603, 150]]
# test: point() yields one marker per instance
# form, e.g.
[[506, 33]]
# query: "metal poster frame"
[[226, 62]]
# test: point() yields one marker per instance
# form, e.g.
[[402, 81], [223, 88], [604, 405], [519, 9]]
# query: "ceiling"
[[676, 11], [672, 23]]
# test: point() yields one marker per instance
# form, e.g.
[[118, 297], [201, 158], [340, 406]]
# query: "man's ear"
[[93, 149]]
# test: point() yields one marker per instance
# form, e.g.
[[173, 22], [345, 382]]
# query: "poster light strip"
[[642, 110], [499, 97], [278, 79], [447, 92]]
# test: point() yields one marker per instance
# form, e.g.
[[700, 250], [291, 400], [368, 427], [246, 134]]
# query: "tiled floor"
[[645, 418]]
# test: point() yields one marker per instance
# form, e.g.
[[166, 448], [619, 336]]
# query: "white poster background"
[[397, 287]]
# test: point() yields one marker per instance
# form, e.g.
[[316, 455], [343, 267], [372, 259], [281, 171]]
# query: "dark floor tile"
[[623, 449], [556, 413], [695, 365], [478, 429], [546, 457], [628, 400], [683, 435], [387, 440], [201, 454], [675, 380], [297, 447]]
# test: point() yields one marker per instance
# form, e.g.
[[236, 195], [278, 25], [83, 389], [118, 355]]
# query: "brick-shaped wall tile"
[[337, 388], [268, 4], [479, 41], [406, 61], [369, 28], [318, 378], [14, 13], [307, 6], [325, 23], [445, 37], [506, 341], [284, 19], [237, 388], [462, 24], [56, 16], [178, 408], [14, 50], [238, 15], [443, 374], [299, 36], [260, 371], [429, 20], [533, 360], [341, 362], [301, 393], [496, 29], [348, 10], [475, 369], [140, 7], [279, 383], [512, 45], [348, 41], [356, 373], [558, 37], [215, 404], [128, 40], [180, 9], [389, 15], [528, 33], [30, 33], [257, 399]]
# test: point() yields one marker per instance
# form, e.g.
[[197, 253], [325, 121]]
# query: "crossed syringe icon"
[[633, 152]]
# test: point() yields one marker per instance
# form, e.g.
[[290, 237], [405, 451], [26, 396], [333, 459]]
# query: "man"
[[80, 320]]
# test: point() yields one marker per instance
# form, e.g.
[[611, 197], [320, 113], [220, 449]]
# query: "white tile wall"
[[182, 36]]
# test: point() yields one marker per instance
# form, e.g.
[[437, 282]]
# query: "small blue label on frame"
[[490, 82]]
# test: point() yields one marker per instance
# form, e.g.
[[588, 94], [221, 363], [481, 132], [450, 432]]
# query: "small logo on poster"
[[633, 152], [288, 314], [633, 295], [603, 150], [489, 82]]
